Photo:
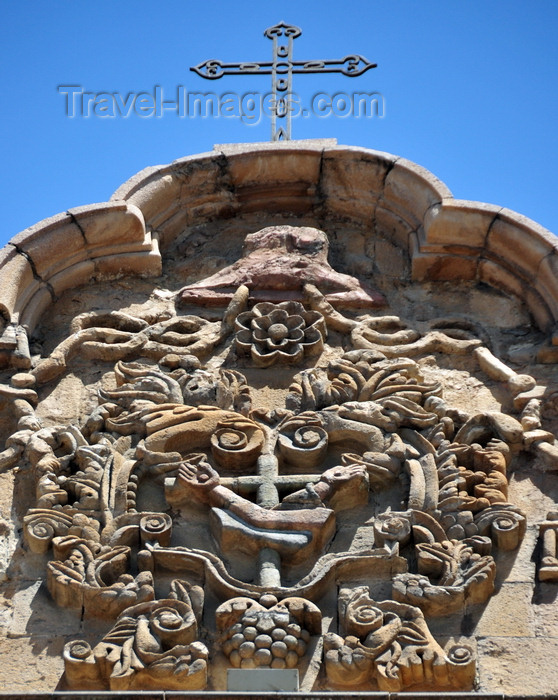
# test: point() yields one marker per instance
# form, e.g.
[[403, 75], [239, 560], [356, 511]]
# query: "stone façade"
[[280, 406]]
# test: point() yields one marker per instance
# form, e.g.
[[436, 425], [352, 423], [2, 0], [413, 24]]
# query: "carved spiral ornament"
[[229, 439], [236, 444], [363, 616], [309, 437], [460, 654], [504, 523], [156, 527], [78, 649], [41, 526], [173, 622], [306, 447]]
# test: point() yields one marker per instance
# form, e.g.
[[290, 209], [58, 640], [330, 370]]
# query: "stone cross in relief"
[[282, 68]]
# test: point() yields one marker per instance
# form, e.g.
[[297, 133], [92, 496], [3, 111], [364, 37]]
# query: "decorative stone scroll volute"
[[354, 469], [390, 643]]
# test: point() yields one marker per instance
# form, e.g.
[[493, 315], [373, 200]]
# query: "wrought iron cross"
[[282, 68]]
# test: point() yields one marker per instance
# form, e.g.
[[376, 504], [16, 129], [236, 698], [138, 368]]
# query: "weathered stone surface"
[[511, 239], [509, 613], [278, 261], [346, 178], [503, 660], [454, 220], [309, 481]]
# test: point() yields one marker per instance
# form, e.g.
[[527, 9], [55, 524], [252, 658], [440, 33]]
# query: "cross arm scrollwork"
[[281, 68]]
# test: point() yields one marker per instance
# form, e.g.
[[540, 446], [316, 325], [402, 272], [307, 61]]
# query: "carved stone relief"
[[357, 476]]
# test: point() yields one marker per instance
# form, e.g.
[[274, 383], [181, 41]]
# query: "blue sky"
[[469, 91]]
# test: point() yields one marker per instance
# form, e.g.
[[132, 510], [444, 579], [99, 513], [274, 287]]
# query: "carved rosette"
[[282, 333]]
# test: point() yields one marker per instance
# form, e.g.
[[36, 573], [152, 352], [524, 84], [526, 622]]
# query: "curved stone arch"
[[97, 241], [443, 238]]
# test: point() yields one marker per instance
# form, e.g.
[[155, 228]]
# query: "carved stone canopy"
[[310, 438]]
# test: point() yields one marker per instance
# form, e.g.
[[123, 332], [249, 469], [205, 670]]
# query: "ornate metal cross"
[[282, 68]]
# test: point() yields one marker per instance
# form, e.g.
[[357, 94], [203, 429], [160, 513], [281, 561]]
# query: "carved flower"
[[279, 333], [391, 528]]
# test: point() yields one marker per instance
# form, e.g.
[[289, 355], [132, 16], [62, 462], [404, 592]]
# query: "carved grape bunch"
[[266, 638]]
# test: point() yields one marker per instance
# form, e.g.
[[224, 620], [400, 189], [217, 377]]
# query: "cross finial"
[[282, 68]]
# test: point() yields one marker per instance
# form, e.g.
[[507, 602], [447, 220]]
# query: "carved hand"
[[198, 474]]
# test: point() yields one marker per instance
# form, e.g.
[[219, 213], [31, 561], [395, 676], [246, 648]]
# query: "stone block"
[[307, 144], [352, 181], [492, 273], [508, 613], [31, 668], [76, 275], [31, 306], [206, 193], [158, 193], [272, 680], [275, 181], [518, 566], [52, 244], [522, 668], [446, 625], [410, 190], [391, 260], [35, 613], [526, 489], [428, 267], [172, 226], [109, 223], [457, 221], [133, 184], [546, 283], [540, 310], [546, 611], [146, 244], [270, 166], [16, 279], [141, 264], [520, 242], [393, 227]]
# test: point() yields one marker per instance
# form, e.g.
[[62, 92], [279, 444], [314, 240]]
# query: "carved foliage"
[[95, 577], [151, 645], [390, 643], [450, 575], [268, 483]]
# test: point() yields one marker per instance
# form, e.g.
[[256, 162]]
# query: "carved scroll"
[[389, 643]]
